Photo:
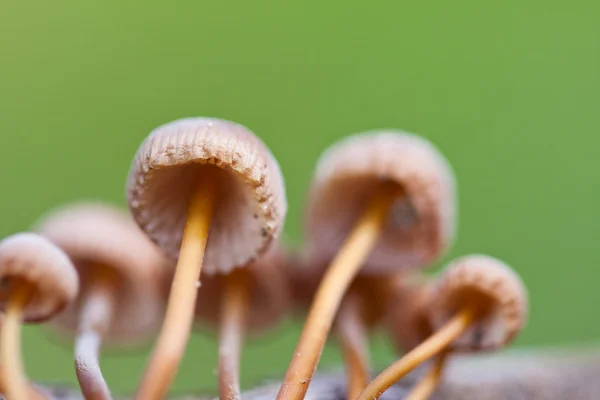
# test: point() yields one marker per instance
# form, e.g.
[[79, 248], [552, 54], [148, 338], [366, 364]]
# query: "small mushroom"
[[252, 299], [409, 325], [120, 272], [478, 304], [211, 195], [361, 311], [37, 281], [380, 201]]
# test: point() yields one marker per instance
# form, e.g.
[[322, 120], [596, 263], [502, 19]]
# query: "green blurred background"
[[508, 90]]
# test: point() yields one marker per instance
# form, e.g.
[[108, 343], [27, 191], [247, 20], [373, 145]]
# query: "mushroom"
[[119, 301], [479, 304], [37, 282], [33, 393], [362, 309], [211, 195], [383, 200], [253, 299], [409, 325]]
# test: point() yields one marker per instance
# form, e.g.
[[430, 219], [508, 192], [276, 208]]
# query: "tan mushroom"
[[382, 200], [37, 282], [120, 272], [361, 311], [211, 195], [479, 303], [252, 299]]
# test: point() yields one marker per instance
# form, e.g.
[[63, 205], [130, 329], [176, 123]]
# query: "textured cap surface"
[[268, 290], [96, 235], [37, 261], [493, 289], [420, 225], [250, 207], [408, 314]]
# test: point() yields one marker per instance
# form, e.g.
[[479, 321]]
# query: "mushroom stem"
[[177, 325], [336, 281], [10, 342], [233, 313], [95, 316], [436, 343], [425, 388], [33, 393], [354, 341]]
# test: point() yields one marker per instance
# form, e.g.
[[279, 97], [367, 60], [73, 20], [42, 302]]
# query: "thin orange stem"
[[33, 393], [354, 340], [95, 317], [425, 388], [14, 378], [233, 320], [177, 325], [436, 343], [327, 300]]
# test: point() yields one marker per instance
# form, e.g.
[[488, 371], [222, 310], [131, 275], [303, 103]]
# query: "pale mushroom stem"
[[14, 378], [435, 344], [354, 341], [177, 325], [425, 388], [95, 316], [336, 281], [232, 321]]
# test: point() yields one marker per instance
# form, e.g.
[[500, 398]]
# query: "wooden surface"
[[535, 375]]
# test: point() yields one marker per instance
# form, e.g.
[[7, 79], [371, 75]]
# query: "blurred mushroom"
[[253, 299], [409, 325], [479, 303], [37, 282], [32, 392], [383, 200], [119, 301], [211, 195], [361, 311]]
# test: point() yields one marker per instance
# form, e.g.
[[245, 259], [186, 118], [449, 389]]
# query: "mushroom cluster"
[[200, 249]]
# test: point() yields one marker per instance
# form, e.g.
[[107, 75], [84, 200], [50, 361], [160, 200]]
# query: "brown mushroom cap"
[[269, 294], [95, 234], [408, 313], [251, 204], [493, 289], [40, 263], [421, 224]]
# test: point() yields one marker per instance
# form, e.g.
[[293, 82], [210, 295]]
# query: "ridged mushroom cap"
[[420, 225], [35, 260], [98, 236], [269, 294], [250, 207], [408, 313], [493, 290]]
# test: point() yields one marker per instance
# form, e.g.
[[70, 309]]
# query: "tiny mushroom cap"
[[269, 294], [35, 260], [408, 312], [492, 290], [421, 222], [96, 235], [251, 204]]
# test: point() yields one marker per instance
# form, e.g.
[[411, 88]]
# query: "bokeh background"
[[509, 91]]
